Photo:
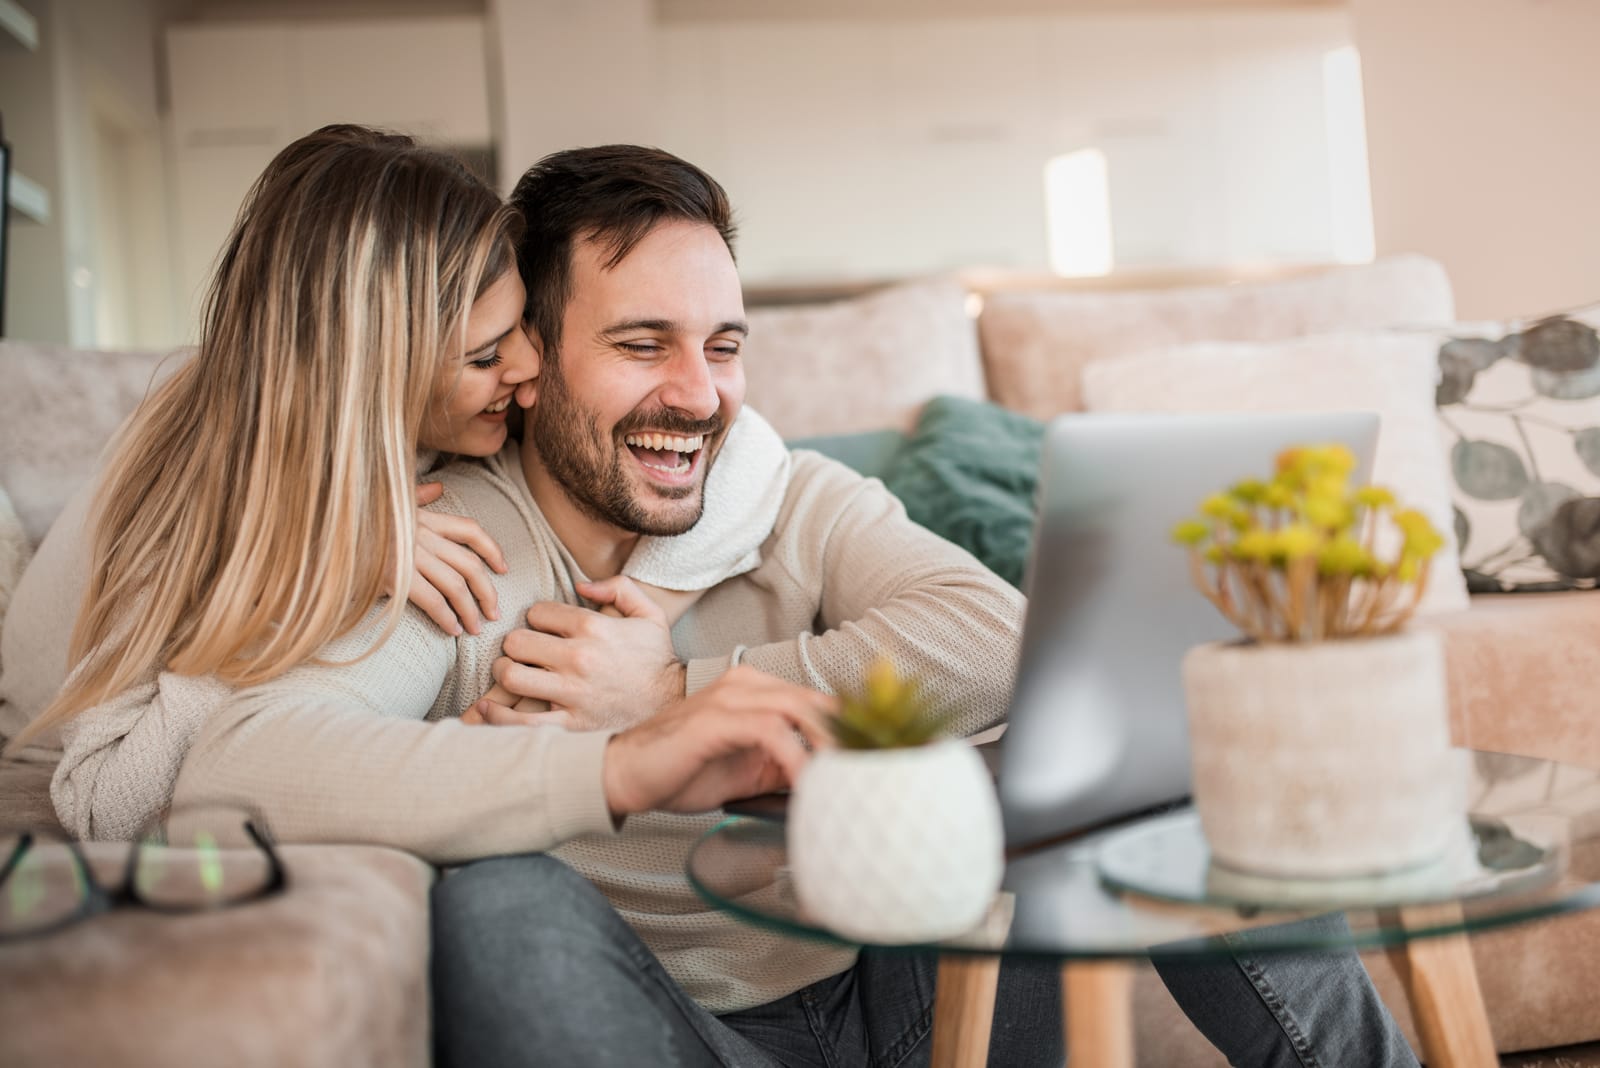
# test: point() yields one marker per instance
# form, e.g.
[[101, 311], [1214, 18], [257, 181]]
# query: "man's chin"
[[665, 514]]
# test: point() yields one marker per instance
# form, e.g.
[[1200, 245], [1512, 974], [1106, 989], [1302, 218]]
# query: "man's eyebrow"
[[491, 343], [668, 326]]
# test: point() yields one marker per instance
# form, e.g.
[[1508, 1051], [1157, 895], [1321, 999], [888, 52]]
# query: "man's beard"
[[591, 470]]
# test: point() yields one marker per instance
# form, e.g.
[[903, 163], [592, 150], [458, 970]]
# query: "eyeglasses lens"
[[202, 860], [45, 885]]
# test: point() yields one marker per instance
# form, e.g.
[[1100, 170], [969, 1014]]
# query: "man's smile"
[[670, 459]]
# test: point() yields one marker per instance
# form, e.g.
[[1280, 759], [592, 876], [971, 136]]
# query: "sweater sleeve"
[[888, 588], [744, 490], [120, 759], [338, 752]]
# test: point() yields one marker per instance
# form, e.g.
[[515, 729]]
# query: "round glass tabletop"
[[1530, 847]]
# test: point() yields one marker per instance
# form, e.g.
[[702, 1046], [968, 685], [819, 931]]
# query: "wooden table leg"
[[1097, 1004], [1441, 983], [963, 1010]]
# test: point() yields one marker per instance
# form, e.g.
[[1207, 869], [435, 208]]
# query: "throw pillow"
[[1519, 407], [1391, 375], [862, 364], [1036, 345], [868, 453], [968, 473]]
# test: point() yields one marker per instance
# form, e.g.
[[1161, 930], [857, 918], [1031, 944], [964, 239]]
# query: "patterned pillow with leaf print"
[[1520, 412]]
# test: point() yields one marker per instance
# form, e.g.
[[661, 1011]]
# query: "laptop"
[[1097, 729]]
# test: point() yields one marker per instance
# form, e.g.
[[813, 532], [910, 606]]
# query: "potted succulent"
[[1321, 739], [895, 835]]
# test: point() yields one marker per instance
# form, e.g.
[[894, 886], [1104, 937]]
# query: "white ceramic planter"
[[1324, 759], [897, 845]]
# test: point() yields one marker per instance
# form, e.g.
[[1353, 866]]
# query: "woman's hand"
[[735, 738], [609, 668], [451, 580]]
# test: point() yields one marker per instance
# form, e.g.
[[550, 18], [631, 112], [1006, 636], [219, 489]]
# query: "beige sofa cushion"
[[1523, 669], [58, 408], [862, 364], [330, 974], [1385, 373], [1036, 344]]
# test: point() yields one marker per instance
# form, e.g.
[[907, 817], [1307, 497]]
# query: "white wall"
[[1480, 120], [84, 119], [894, 145], [571, 73]]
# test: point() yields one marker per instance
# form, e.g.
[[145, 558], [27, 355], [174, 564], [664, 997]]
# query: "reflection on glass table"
[[1528, 848]]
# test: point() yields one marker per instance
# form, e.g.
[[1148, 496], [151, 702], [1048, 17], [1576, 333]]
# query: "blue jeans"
[[532, 966]]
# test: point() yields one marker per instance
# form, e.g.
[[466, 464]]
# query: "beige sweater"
[[338, 754]]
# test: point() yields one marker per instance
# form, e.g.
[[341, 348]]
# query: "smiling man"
[[635, 305]]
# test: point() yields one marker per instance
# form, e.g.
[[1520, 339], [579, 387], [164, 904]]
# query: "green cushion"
[[868, 453], [968, 473]]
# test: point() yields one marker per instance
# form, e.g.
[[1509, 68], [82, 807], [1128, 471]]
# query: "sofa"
[[853, 375]]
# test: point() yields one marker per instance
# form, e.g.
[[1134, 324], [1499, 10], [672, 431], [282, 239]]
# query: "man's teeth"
[[666, 442], [498, 406]]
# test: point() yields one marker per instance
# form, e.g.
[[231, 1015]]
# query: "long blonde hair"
[[260, 502]]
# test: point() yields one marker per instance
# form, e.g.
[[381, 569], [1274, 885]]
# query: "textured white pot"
[[896, 845], [1324, 759]]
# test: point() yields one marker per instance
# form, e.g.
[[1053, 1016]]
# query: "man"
[[635, 304]]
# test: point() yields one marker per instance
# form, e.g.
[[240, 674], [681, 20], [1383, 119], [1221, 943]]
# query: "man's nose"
[[689, 386]]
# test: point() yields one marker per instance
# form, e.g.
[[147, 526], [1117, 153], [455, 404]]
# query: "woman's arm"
[[120, 760]]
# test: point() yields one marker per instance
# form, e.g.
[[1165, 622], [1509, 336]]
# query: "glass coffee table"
[[1528, 849]]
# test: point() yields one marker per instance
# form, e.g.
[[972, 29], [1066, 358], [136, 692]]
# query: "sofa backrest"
[[1036, 344], [58, 408], [867, 363]]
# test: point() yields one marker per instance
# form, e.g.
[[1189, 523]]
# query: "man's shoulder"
[[812, 473], [822, 491]]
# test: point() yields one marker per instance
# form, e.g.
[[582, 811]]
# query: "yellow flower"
[[1191, 532], [1213, 554], [1374, 497], [1335, 458], [1254, 545], [1327, 510], [1278, 495], [1345, 555], [1295, 541], [1218, 506], [1249, 491]]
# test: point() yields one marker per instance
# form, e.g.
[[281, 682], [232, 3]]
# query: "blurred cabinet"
[[241, 91]]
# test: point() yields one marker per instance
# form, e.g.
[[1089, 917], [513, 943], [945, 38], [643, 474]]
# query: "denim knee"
[[512, 905]]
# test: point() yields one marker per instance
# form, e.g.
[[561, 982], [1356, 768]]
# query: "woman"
[[365, 312]]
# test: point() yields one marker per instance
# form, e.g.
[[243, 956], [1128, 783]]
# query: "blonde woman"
[[365, 316]]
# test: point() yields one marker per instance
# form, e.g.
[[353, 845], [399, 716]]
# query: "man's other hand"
[[735, 738], [596, 669]]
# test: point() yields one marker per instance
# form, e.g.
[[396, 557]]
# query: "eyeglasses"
[[196, 859]]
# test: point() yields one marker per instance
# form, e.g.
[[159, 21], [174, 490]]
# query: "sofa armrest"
[[1524, 671]]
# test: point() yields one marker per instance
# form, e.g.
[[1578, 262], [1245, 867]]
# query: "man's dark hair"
[[613, 195]]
